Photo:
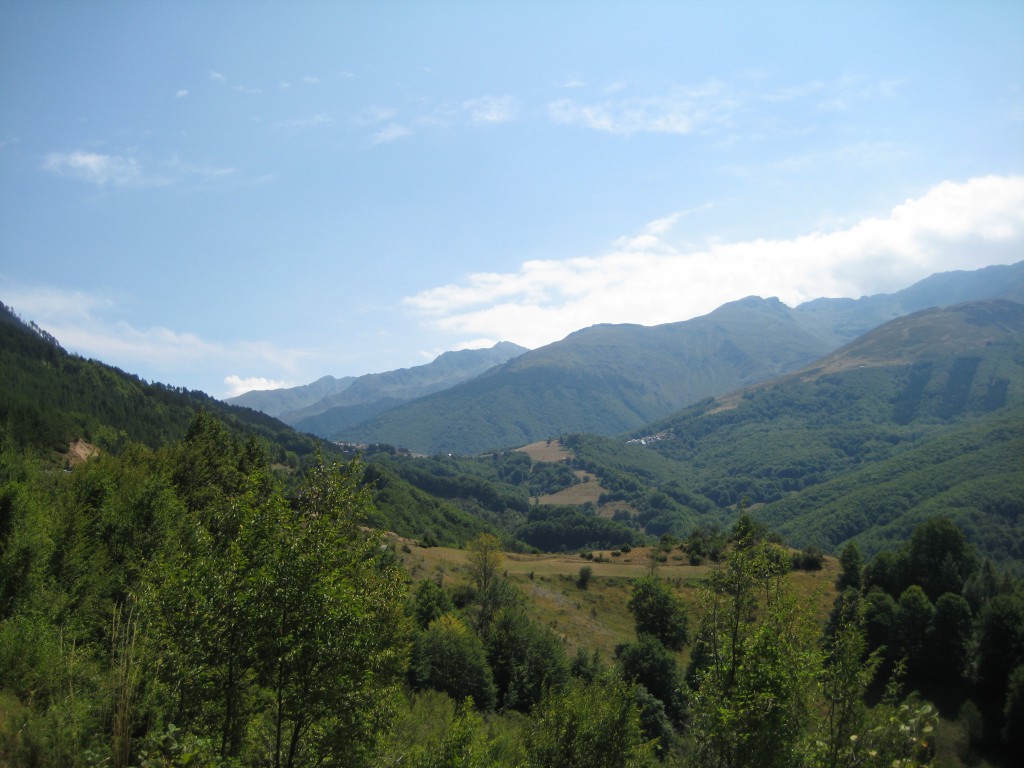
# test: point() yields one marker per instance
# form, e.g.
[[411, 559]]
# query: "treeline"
[[49, 397], [955, 624]]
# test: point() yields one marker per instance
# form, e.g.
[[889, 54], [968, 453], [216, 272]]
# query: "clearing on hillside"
[[546, 450]]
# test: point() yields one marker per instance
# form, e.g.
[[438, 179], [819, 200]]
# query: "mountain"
[[330, 404], [604, 379], [278, 402], [848, 318], [609, 379], [49, 398], [923, 415]]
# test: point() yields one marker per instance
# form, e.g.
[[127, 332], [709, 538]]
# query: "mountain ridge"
[[299, 406], [612, 378]]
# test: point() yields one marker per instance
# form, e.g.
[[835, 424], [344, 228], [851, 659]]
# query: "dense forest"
[[179, 607]]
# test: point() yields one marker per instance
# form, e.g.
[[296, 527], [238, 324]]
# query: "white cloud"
[[389, 133], [217, 77], [94, 326], [124, 171], [646, 279], [491, 109], [99, 169], [181, 94], [239, 386], [302, 123], [310, 80], [682, 111]]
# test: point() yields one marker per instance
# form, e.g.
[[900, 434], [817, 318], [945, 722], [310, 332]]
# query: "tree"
[[939, 558], [851, 563], [1013, 714], [280, 624], [430, 602], [526, 658], [450, 657], [649, 663], [751, 705], [949, 646], [334, 647], [594, 725], [484, 561], [656, 611], [914, 615], [1000, 644], [585, 575]]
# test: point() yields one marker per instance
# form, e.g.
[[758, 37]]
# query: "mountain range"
[[919, 416], [609, 379]]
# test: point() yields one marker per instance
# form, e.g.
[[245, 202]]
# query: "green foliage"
[[551, 528], [450, 657], [430, 601], [648, 663], [585, 575], [583, 725], [751, 706], [1013, 714], [852, 564], [526, 659], [659, 613]]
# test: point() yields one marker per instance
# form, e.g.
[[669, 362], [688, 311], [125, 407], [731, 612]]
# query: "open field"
[[588, 489], [597, 617], [546, 450]]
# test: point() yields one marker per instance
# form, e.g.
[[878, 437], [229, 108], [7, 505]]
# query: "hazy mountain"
[[846, 319], [923, 414], [613, 378], [360, 397], [604, 379], [278, 402]]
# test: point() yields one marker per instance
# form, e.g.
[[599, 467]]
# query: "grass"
[[588, 489], [546, 450], [597, 617]]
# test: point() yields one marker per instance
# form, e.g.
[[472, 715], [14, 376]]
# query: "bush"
[[586, 573]]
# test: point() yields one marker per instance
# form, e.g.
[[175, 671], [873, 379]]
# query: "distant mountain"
[[604, 379], [923, 415], [846, 319], [278, 402], [609, 379], [330, 404]]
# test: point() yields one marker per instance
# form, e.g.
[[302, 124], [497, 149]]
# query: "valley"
[[854, 508]]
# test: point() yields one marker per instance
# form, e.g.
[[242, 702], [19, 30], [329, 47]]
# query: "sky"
[[231, 196]]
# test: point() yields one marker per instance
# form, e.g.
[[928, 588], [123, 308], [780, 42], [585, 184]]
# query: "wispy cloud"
[[389, 133], [99, 169], [850, 90], [646, 279], [108, 170], [94, 326], [303, 123], [181, 94], [491, 109], [682, 111], [217, 77], [715, 105]]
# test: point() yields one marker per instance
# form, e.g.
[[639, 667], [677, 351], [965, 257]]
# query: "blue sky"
[[228, 196]]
